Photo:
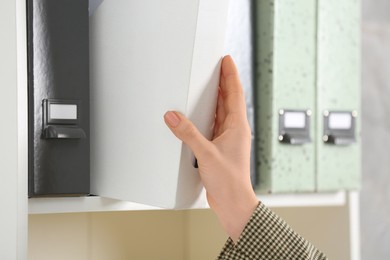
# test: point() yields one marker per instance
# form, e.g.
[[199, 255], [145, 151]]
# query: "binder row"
[[307, 63]]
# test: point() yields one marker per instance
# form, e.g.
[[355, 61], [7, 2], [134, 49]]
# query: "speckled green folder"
[[338, 88], [307, 58]]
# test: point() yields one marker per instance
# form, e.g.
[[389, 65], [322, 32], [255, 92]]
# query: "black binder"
[[58, 89]]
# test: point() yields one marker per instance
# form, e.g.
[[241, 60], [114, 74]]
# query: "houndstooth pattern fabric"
[[266, 237]]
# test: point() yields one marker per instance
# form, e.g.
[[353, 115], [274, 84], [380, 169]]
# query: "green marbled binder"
[[285, 44], [307, 57]]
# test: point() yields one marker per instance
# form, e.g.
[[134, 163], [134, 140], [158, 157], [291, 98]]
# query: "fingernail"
[[172, 119]]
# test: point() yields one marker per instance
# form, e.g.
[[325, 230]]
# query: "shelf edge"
[[99, 204]]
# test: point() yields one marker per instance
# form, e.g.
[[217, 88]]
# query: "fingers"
[[231, 88], [186, 131]]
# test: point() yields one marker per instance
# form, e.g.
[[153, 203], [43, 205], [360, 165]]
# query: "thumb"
[[186, 131]]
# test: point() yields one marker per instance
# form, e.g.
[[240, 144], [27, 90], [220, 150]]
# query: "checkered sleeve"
[[266, 236]]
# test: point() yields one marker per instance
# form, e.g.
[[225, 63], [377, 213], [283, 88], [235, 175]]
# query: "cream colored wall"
[[58, 236], [204, 235], [107, 236], [137, 235], [170, 235], [325, 227]]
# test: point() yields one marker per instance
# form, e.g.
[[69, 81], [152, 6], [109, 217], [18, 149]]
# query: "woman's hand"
[[224, 162]]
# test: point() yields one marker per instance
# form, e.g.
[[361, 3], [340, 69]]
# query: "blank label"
[[294, 120], [63, 111], [340, 120]]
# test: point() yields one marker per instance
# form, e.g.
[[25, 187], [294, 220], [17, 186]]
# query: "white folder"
[[148, 57]]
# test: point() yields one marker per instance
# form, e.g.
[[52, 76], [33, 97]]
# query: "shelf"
[[99, 204], [81, 204]]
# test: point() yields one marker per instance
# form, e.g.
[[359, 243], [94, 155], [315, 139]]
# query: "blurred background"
[[375, 192]]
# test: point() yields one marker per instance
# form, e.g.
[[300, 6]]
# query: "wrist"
[[237, 213]]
